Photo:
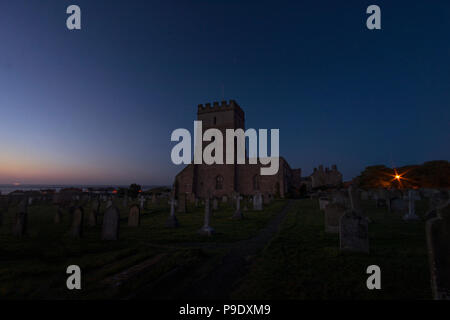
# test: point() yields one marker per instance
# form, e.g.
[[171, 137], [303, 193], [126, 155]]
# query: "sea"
[[8, 188]]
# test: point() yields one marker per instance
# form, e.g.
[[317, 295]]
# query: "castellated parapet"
[[223, 106]]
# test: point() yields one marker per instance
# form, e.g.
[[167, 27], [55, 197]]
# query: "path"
[[219, 283]]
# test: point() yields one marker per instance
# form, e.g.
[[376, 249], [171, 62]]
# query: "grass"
[[300, 262], [304, 262], [35, 265]]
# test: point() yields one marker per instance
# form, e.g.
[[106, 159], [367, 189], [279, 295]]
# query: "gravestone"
[[381, 198], [4, 206], [58, 215], [181, 203], [196, 203], [340, 197], [355, 200], [153, 198], [411, 215], [224, 199], [207, 229], [142, 203], [93, 213], [323, 203], [364, 195], [172, 221], [238, 213], [438, 242], [110, 227], [134, 216], [109, 203], [215, 204], [333, 214], [76, 230], [353, 233], [399, 205], [21, 219], [257, 202]]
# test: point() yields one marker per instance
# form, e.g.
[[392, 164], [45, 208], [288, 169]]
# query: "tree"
[[134, 190], [432, 174]]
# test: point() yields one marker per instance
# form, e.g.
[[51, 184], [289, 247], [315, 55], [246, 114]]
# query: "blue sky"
[[97, 106]]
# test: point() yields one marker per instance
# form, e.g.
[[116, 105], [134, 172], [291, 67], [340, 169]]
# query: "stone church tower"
[[219, 180], [220, 116]]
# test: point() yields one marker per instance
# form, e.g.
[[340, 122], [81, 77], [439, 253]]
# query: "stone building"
[[223, 180], [326, 178]]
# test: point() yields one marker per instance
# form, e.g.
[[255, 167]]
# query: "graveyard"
[[284, 251]]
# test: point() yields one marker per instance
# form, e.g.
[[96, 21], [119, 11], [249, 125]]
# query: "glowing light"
[[397, 177]]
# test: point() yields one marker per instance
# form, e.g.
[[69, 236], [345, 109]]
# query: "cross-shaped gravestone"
[[411, 215], [172, 221], [207, 229]]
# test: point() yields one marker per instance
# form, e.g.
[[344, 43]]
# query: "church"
[[224, 180]]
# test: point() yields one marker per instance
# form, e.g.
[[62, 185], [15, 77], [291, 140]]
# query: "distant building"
[[326, 178], [219, 180]]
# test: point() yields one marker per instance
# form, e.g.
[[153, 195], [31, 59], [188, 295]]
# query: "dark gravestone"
[[58, 214], [438, 241], [399, 205], [354, 232], [323, 202], [340, 197], [77, 222], [355, 200], [333, 214], [381, 203], [257, 202], [381, 198], [4, 206], [134, 216], [110, 228], [93, 213], [21, 219]]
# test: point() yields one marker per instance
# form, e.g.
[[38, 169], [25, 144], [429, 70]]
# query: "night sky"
[[97, 106]]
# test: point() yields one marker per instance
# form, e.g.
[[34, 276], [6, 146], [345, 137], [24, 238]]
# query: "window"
[[256, 182], [219, 183]]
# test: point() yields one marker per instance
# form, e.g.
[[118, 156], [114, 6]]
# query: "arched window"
[[256, 182], [219, 183], [213, 153]]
